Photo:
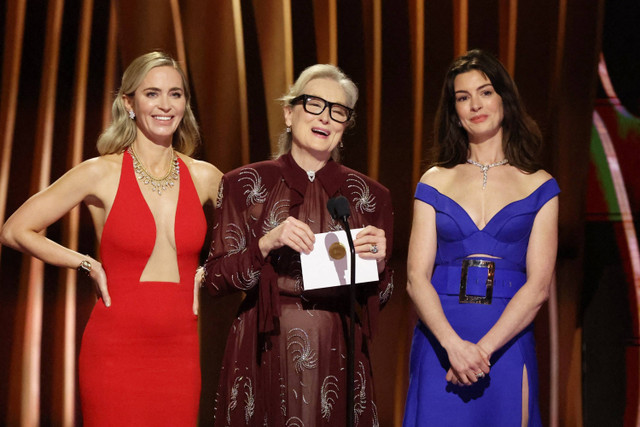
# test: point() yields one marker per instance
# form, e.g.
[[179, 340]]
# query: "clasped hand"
[[469, 363]]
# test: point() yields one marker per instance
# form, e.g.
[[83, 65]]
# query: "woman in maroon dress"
[[139, 361], [285, 362]]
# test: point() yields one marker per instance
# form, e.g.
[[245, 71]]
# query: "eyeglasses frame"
[[305, 97]]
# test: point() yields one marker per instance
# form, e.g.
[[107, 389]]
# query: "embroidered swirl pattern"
[[303, 356], [250, 401], [364, 201], [374, 409], [233, 398], [254, 189], [279, 212], [334, 225], [328, 396], [359, 393], [247, 279], [220, 193], [235, 239], [294, 422], [386, 294]]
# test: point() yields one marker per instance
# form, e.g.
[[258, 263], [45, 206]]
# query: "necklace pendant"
[[158, 185], [485, 169]]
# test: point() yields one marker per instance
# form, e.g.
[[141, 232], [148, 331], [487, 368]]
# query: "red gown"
[[139, 359]]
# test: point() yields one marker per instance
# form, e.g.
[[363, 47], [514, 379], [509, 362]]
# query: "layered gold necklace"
[[158, 185]]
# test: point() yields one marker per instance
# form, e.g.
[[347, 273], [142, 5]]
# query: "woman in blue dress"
[[481, 256]]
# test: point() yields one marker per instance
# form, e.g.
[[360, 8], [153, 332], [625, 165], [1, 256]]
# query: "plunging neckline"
[[155, 224], [499, 212], [149, 212]]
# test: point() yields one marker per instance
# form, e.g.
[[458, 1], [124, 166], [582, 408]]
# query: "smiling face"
[[315, 136], [159, 104], [478, 105]]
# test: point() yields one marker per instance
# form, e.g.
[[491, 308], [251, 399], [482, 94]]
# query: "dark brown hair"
[[521, 137]]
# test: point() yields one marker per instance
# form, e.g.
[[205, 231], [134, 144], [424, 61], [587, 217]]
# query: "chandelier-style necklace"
[[158, 185], [485, 169]]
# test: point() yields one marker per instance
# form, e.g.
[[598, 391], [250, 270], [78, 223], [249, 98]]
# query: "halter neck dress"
[[496, 399], [139, 359]]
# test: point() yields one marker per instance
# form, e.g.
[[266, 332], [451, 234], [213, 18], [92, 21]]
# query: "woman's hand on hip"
[[99, 278]]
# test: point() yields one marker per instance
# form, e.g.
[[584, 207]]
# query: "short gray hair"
[[318, 71]]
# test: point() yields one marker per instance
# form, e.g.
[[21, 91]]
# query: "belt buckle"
[[476, 299]]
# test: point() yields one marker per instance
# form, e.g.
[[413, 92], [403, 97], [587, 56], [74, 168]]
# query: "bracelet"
[[84, 267]]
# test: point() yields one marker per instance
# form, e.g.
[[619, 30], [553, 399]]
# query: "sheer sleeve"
[[380, 216], [385, 284], [235, 261]]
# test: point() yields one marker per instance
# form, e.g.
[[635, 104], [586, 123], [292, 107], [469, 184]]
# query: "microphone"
[[339, 208]]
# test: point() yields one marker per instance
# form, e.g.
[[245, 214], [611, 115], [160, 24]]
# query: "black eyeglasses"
[[316, 105]]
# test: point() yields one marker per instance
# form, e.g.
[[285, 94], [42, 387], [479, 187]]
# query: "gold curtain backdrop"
[[62, 61]]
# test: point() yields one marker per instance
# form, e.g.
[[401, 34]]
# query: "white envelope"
[[319, 270]]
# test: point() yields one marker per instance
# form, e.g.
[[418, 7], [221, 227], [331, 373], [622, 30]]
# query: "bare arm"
[[24, 229], [466, 358], [541, 260], [206, 178]]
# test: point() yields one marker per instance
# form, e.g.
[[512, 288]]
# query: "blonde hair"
[[318, 71], [122, 131]]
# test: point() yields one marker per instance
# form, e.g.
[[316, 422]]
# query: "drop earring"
[[132, 115], [341, 144], [288, 129]]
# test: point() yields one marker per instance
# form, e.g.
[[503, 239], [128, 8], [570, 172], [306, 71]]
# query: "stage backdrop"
[[61, 66]]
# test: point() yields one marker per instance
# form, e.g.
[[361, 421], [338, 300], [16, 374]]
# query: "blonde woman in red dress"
[[139, 358]]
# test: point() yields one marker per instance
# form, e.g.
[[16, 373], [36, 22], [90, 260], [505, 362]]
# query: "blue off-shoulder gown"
[[496, 399]]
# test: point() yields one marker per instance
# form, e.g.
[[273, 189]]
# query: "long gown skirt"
[[495, 400], [139, 362]]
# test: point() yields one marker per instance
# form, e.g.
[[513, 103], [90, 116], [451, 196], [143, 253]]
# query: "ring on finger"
[[373, 248], [480, 375]]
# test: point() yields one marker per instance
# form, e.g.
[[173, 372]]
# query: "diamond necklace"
[[158, 185], [485, 169]]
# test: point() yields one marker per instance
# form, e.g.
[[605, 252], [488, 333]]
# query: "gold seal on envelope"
[[337, 250]]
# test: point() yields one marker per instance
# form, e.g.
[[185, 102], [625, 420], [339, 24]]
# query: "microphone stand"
[[352, 327]]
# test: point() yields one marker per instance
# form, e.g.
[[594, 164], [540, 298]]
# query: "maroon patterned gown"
[[286, 356]]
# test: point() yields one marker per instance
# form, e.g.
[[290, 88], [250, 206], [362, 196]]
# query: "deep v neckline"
[[153, 218], [499, 212]]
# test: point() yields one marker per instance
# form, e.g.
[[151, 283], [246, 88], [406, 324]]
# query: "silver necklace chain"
[[158, 185], [485, 169]]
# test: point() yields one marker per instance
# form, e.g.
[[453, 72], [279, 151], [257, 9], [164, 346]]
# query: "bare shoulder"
[[96, 169], [436, 176], [531, 181], [206, 178], [203, 172]]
